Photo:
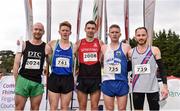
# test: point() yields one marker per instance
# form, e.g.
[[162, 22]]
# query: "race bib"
[[142, 69], [62, 62], [32, 64], [90, 56], [112, 68]]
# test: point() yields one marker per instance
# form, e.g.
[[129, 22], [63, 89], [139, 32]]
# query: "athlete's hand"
[[164, 91]]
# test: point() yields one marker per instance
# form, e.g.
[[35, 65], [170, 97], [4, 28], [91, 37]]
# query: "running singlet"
[[88, 55], [62, 60], [144, 72], [33, 61], [115, 64]]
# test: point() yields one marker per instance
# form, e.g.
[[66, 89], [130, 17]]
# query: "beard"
[[141, 41]]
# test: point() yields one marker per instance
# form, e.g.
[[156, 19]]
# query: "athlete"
[[145, 60], [61, 81], [114, 78], [89, 77], [28, 74]]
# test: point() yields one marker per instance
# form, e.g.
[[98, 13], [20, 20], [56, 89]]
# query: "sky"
[[13, 20]]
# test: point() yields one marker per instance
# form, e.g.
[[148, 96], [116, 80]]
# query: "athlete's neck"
[[142, 48], [64, 41], [89, 39], [114, 45], [36, 42], [64, 44]]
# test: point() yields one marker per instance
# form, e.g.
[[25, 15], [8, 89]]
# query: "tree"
[[169, 44], [6, 60]]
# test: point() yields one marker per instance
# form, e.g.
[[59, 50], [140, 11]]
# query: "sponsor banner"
[[149, 10], [48, 21], [97, 16], [7, 96], [29, 18], [126, 19]]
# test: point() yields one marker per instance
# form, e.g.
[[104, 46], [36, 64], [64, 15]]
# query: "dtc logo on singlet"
[[34, 62]]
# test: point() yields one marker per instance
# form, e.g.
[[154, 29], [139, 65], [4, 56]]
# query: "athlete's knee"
[[109, 107], [35, 107], [53, 106], [82, 107], [94, 106], [64, 107]]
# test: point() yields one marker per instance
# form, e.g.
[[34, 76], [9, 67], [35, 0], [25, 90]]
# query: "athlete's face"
[[38, 31], [90, 30], [65, 32], [114, 34], [141, 36]]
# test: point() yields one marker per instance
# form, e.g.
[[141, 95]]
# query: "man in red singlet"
[[89, 77]]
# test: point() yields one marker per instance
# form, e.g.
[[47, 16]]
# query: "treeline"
[[169, 44]]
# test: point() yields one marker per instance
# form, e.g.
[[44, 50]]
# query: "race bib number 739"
[[142, 69]]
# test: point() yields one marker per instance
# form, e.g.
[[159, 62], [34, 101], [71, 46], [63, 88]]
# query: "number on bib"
[[142, 69], [62, 62], [90, 56], [32, 64], [112, 68]]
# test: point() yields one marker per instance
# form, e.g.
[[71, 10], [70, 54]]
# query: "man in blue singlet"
[[114, 78], [145, 60], [61, 81]]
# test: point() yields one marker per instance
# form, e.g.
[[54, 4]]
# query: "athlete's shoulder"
[[101, 42], [156, 51], [52, 42], [104, 48]]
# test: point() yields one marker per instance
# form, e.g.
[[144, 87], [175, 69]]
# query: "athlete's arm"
[[160, 64], [48, 51], [17, 60], [16, 65], [75, 51], [163, 75], [76, 47]]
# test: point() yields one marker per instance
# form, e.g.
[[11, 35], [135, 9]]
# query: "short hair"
[[141, 28], [90, 22], [65, 23], [114, 26]]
